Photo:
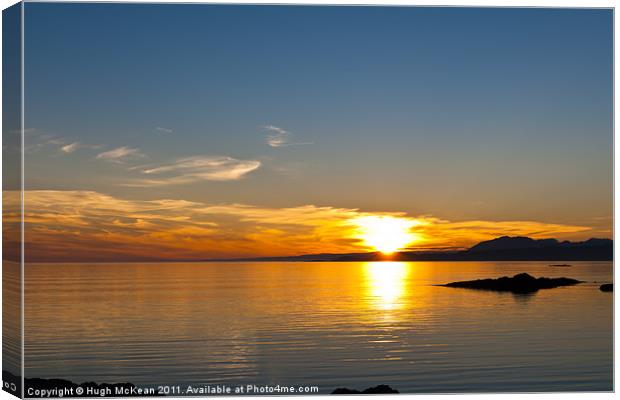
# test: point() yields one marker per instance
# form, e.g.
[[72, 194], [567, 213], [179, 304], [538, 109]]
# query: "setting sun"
[[384, 233]]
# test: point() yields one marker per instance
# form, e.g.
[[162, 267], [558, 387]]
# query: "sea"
[[317, 325]]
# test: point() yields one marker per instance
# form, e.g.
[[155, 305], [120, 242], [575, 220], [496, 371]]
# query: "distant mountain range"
[[504, 248]]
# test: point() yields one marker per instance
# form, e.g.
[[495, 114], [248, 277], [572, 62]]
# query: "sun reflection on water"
[[386, 283]]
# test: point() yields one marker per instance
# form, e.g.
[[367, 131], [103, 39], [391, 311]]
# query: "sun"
[[385, 233]]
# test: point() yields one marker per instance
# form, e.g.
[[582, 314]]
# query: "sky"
[[199, 131]]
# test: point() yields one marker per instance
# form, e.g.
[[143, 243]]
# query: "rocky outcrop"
[[380, 389], [520, 283]]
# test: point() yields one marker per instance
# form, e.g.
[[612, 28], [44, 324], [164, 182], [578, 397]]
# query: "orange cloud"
[[86, 225]]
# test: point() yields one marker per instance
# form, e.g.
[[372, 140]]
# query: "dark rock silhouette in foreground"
[[380, 389], [520, 283], [607, 287]]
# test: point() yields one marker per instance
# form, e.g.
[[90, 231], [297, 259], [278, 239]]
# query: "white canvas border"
[[463, 3]]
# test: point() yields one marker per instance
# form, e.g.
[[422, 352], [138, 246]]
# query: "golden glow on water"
[[311, 323], [386, 234], [387, 283]]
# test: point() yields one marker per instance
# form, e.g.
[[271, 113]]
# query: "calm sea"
[[319, 324]]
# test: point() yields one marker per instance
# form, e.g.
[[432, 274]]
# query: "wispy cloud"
[[193, 169], [26, 131], [38, 140], [280, 137], [163, 130], [120, 154], [70, 148]]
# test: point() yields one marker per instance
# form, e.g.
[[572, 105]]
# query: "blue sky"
[[460, 113]]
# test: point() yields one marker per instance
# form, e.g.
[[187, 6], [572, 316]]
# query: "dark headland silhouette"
[[504, 248]]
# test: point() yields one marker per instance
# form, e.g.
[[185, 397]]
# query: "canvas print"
[[205, 199]]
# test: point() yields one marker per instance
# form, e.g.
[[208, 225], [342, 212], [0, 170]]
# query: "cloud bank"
[[86, 225]]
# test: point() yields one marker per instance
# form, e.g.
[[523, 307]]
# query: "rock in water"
[[607, 287], [380, 389], [520, 283]]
